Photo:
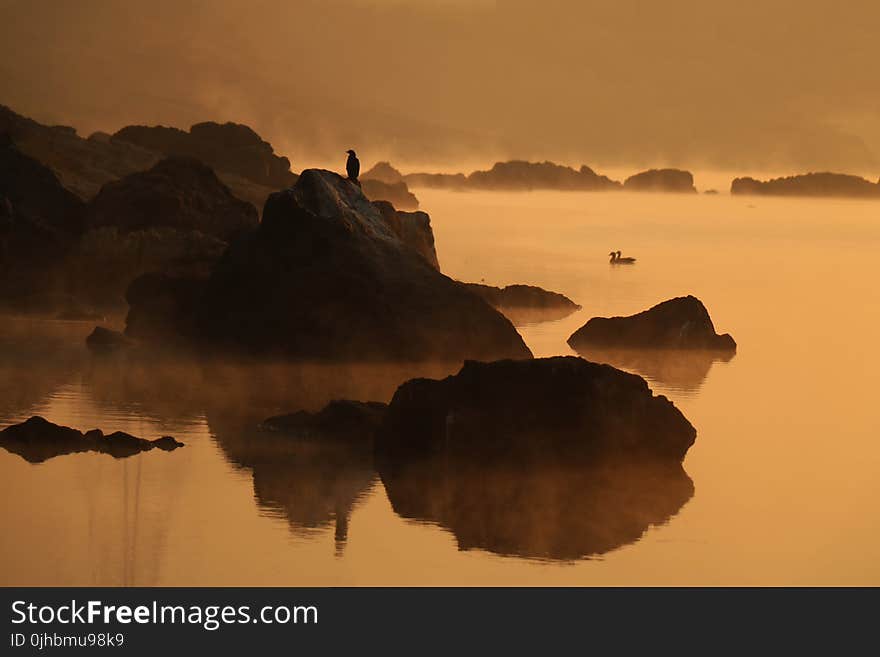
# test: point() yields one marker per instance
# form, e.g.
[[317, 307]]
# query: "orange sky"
[[775, 84]]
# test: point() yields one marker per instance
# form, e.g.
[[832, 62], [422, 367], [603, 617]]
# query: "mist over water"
[[779, 488], [750, 86]]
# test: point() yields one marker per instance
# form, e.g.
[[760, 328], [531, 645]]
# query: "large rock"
[[397, 194], [661, 180], [180, 193], [532, 410], [37, 440], [82, 165], [39, 223], [809, 184], [227, 147], [525, 304], [326, 277], [680, 323], [413, 229]]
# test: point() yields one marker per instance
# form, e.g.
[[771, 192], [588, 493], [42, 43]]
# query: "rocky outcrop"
[[37, 440], [325, 277], [532, 410], [229, 147], [661, 180], [39, 222], [525, 304], [809, 184], [397, 194], [413, 229], [558, 510], [680, 323], [342, 419], [179, 193], [383, 172], [521, 175], [82, 165], [436, 180]]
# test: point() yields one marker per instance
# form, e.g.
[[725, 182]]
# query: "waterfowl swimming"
[[617, 260]]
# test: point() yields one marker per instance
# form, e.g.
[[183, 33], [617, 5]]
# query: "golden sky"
[[779, 84]]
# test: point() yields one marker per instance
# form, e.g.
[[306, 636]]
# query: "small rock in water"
[[37, 440]]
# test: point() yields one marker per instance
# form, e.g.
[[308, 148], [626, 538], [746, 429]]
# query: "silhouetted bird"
[[353, 167]]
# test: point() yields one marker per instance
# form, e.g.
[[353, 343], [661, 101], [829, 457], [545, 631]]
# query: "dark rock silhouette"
[[436, 180], [325, 277], [546, 510], [180, 193], [661, 180], [532, 410], [525, 304], [680, 323], [227, 147], [177, 215], [809, 184], [39, 223], [37, 440], [397, 194], [104, 340], [163, 306], [383, 172], [411, 228], [341, 419], [521, 175], [82, 165]]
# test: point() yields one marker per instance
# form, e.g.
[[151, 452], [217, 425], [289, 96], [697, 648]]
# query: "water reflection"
[[559, 511], [684, 370], [312, 482]]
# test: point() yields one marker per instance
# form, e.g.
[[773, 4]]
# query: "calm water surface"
[[782, 485]]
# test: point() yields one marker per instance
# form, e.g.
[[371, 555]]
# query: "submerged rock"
[[524, 304], [532, 410], [397, 194], [680, 323], [661, 180], [808, 184], [37, 440], [341, 419], [326, 277], [413, 229], [559, 510]]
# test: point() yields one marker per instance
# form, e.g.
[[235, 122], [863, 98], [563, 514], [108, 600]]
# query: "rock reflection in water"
[[684, 370], [551, 510], [314, 482]]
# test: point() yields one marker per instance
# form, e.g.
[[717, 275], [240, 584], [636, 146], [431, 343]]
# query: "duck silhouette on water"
[[616, 259]]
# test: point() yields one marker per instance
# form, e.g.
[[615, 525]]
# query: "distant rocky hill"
[[661, 180], [809, 184]]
